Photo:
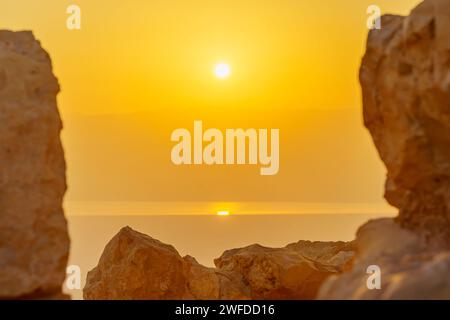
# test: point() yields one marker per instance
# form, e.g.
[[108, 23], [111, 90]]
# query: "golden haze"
[[139, 69]]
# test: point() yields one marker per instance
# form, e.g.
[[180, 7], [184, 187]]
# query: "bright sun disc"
[[223, 213], [222, 70]]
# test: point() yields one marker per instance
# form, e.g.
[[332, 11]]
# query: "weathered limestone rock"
[[405, 79], [34, 242], [410, 269], [209, 283], [293, 272], [135, 266]]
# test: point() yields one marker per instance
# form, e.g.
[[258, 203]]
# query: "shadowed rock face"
[[34, 242], [135, 266], [405, 79]]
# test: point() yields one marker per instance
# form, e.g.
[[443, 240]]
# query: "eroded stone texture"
[[294, 272], [210, 283], [405, 79], [34, 242], [136, 266], [410, 269]]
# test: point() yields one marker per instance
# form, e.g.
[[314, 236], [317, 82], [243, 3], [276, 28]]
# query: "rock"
[[293, 272], [409, 268], [34, 243], [405, 79], [209, 283], [136, 266]]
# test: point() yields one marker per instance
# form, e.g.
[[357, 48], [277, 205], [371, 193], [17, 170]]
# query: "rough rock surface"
[[410, 269], [34, 242], [293, 272], [135, 266], [405, 79]]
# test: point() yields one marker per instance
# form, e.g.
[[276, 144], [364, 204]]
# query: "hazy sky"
[[137, 70]]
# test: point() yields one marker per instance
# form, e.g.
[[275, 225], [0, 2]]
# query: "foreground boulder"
[[405, 78], [34, 243], [136, 266]]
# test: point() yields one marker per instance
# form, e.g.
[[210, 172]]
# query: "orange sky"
[[137, 70]]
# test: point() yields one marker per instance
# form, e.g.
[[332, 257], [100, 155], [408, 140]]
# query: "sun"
[[223, 213], [222, 70]]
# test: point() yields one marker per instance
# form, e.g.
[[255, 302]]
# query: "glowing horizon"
[[196, 208]]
